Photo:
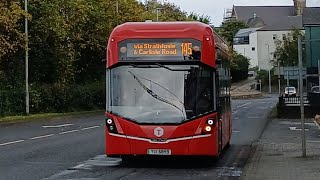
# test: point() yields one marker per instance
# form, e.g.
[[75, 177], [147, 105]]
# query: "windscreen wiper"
[[149, 91], [166, 67], [178, 99]]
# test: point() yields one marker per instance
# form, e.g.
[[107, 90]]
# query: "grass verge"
[[46, 116], [273, 113]]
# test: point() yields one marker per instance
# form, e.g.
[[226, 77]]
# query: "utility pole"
[[270, 89], [303, 135], [117, 11], [319, 71], [27, 58], [288, 78], [158, 9], [279, 78]]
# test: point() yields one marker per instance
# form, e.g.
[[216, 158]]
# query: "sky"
[[215, 8]]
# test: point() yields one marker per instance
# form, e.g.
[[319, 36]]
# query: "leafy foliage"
[[239, 66], [229, 29], [67, 41], [11, 36], [201, 18], [287, 49]]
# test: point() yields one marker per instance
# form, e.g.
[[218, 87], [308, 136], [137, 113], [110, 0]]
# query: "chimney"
[[299, 6]]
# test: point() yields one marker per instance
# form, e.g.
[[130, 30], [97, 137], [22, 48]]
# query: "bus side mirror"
[[218, 61], [219, 108]]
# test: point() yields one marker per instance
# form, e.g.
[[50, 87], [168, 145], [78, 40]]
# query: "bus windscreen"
[[160, 49]]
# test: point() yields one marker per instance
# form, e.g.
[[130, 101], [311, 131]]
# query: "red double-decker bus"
[[167, 93]]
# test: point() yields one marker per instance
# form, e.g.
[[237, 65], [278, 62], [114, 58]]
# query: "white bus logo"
[[158, 132]]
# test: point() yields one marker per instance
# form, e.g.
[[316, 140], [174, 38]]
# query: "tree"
[[201, 18], [287, 49], [11, 36], [229, 29], [239, 66]]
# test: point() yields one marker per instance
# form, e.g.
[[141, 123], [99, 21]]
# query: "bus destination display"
[[158, 50], [162, 49]]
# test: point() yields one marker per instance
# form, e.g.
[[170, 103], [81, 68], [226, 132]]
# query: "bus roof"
[[175, 30], [159, 29]]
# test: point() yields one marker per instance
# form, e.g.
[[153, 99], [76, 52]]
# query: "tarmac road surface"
[[74, 149]]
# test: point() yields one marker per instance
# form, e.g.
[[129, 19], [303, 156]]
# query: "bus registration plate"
[[164, 152]]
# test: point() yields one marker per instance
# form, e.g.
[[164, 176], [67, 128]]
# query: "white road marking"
[[100, 160], [296, 129], [59, 175], [93, 127], [12, 142], [229, 172], [313, 141], [44, 136], [244, 105], [236, 131], [67, 132], [58, 126], [254, 117], [234, 112], [295, 123]]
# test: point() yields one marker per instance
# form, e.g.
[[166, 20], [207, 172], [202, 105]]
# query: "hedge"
[[53, 98]]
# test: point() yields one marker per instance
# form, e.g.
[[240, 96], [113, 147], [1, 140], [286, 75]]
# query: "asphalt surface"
[[74, 149]]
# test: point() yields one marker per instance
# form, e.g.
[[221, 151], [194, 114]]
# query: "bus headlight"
[[208, 128], [109, 121], [111, 126], [210, 122]]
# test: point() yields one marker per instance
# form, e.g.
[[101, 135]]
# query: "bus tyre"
[[227, 145], [126, 160]]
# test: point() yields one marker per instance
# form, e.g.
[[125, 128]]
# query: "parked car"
[[290, 92], [314, 96], [252, 74]]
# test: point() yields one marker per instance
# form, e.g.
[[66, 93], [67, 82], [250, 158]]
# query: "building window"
[[253, 49], [275, 37], [241, 40]]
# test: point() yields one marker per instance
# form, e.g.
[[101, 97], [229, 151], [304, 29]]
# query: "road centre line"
[[48, 135], [93, 127], [12, 142], [44, 136], [67, 132], [244, 105], [58, 126]]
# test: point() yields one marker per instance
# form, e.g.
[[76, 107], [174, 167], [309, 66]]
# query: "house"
[[267, 24]]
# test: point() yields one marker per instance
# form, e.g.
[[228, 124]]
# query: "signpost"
[[303, 135], [27, 58]]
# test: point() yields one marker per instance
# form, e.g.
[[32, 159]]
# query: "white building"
[[267, 24]]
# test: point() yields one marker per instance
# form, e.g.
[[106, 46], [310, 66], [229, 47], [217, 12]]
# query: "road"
[[74, 148]]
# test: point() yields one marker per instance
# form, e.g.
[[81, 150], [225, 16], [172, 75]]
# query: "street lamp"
[[27, 58], [158, 10], [269, 67]]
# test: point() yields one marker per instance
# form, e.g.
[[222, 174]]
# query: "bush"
[[239, 67], [54, 98], [12, 102], [263, 75]]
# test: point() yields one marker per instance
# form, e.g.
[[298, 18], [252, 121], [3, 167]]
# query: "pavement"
[[244, 90], [278, 153]]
